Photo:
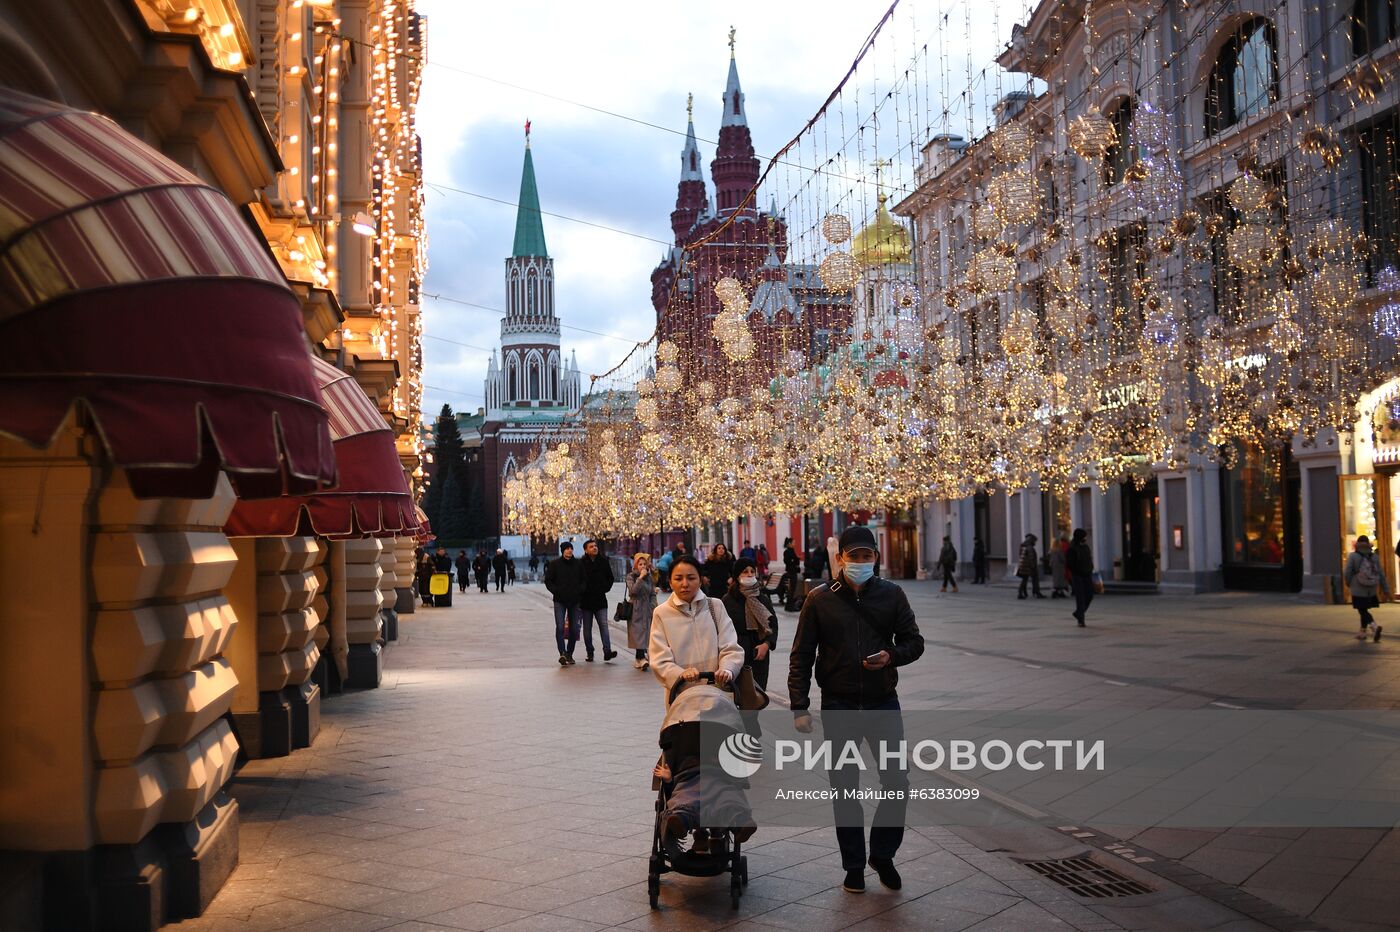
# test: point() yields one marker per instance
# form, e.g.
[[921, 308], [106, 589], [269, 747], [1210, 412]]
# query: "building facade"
[[1289, 97], [182, 629]]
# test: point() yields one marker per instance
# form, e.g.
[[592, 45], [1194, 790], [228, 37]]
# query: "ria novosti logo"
[[740, 755]]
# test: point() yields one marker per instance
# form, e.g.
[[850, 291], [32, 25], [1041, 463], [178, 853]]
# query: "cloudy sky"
[[637, 60]]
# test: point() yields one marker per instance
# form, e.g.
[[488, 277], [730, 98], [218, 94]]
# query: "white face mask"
[[748, 582], [859, 573]]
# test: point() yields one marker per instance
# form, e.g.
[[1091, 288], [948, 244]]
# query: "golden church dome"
[[883, 242]]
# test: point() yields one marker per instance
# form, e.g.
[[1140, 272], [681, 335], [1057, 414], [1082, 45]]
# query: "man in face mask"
[[856, 631]]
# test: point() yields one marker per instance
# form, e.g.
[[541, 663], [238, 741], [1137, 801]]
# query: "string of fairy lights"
[[1165, 235]]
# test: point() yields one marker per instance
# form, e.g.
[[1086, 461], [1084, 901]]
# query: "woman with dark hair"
[[755, 622], [689, 634], [718, 570], [425, 572]]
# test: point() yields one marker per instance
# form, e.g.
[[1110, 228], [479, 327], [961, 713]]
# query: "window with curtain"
[[1123, 152], [1373, 24], [1244, 79], [1378, 149]]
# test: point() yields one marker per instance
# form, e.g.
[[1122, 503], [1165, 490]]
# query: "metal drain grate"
[[1087, 878]]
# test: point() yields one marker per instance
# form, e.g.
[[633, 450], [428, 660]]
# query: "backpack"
[[1368, 574]]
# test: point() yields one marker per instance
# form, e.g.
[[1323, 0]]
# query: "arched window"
[[513, 369], [1373, 24], [534, 365], [1122, 153], [531, 290], [553, 377], [1244, 79], [736, 103]]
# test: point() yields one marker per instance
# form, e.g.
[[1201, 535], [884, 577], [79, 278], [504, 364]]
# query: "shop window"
[[1373, 24], [1122, 153], [1378, 148], [1244, 79], [1254, 506]]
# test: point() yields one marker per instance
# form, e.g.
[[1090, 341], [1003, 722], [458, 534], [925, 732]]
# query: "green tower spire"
[[529, 231]]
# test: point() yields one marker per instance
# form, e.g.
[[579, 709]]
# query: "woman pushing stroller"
[[695, 654]]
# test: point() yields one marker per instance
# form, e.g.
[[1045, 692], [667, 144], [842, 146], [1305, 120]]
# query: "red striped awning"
[[132, 289], [372, 499]]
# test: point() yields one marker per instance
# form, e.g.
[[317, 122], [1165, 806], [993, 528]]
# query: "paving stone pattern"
[[484, 787]]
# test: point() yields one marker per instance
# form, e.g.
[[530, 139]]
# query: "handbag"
[[748, 695], [1098, 583], [623, 611]]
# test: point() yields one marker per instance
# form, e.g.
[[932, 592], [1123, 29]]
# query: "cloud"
[[630, 58]]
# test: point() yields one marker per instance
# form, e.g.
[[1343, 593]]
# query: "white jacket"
[[692, 635]]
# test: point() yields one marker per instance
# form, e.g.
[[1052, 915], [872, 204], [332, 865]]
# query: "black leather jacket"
[[836, 635]]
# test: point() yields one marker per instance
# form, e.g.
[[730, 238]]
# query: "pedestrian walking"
[[563, 577], [498, 566], [534, 566], [747, 552], [593, 599], [442, 564], [755, 622], [948, 564], [718, 569], [1080, 563], [979, 561], [481, 567], [762, 560], [857, 631], [1058, 580], [510, 571], [691, 633], [1366, 580], [425, 579], [816, 564], [663, 571], [1029, 568], [464, 567], [641, 594], [792, 569]]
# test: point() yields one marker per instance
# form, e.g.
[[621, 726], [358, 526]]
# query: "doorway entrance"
[[1141, 551]]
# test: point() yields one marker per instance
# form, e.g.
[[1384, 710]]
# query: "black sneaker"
[[855, 881], [563, 660], [570, 658], [1377, 638], [589, 658], [888, 875], [609, 654]]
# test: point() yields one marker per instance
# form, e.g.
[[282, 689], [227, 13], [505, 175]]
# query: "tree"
[[447, 462], [454, 529]]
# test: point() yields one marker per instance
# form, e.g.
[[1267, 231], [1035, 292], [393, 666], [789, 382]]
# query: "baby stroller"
[[693, 793]]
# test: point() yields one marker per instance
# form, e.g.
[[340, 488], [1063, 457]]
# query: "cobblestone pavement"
[[483, 787]]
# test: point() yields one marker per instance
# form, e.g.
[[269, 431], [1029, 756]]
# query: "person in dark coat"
[[534, 566], [948, 564], [979, 561], [425, 579], [563, 577], [817, 562], [1029, 568], [718, 570], [1081, 573], [482, 568], [464, 570], [442, 563], [856, 632], [792, 579], [593, 601], [755, 622], [498, 565], [510, 572]]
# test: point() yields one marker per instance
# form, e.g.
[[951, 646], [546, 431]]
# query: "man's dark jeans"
[[563, 614], [887, 830]]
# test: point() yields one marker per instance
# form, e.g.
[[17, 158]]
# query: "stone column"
[[277, 707], [362, 601], [404, 602], [160, 687], [388, 585]]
